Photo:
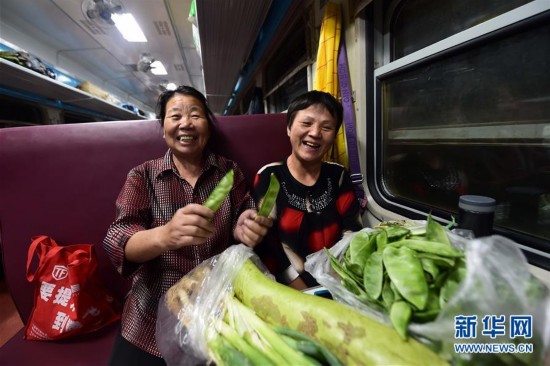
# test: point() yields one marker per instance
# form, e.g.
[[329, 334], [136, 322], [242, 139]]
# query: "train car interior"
[[444, 101]]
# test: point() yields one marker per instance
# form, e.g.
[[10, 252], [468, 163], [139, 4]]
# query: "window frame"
[[537, 250]]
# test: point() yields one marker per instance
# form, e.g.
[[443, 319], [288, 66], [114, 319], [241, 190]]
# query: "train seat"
[[63, 180]]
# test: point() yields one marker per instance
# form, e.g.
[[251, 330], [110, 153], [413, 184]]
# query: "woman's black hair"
[[314, 97], [189, 91]]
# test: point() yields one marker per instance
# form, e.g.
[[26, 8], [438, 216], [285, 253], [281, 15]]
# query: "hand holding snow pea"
[[251, 228], [190, 225]]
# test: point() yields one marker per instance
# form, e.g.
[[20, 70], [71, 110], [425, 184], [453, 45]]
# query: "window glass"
[[291, 53], [419, 23], [285, 74], [476, 121], [293, 87]]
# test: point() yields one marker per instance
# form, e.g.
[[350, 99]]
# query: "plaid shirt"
[[152, 193]]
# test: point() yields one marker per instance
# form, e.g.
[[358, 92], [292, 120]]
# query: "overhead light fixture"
[[171, 86], [157, 68], [167, 85], [128, 27]]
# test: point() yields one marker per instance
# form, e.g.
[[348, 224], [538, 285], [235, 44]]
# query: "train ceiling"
[[77, 34]]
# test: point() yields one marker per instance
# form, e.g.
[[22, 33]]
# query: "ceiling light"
[[128, 27], [171, 86], [157, 68]]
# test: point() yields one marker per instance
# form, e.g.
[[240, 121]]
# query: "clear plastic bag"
[[498, 282], [188, 308]]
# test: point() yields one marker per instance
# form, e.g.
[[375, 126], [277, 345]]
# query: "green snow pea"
[[406, 273], [270, 197], [447, 291], [221, 191], [388, 296], [361, 246], [395, 233], [396, 295], [373, 275], [440, 280], [381, 240], [453, 281], [432, 308], [427, 246], [354, 269], [354, 287], [430, 267], [436, 232], [400, 316], [344, 273], [439, 261]]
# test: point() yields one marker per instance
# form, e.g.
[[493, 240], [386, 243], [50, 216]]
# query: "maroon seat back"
[[63, 180]]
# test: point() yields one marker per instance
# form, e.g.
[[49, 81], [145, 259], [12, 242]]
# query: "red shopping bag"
[[69, 299]]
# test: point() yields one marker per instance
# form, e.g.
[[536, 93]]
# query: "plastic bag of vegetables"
[[228, 311], [425, 281]]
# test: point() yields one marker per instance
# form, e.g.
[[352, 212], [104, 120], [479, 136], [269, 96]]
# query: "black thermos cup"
[[476, 213]]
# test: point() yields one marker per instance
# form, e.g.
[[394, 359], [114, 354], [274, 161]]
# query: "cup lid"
[[477, 203]]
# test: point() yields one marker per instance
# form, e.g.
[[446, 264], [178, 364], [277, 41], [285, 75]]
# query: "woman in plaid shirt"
[[162, 230]]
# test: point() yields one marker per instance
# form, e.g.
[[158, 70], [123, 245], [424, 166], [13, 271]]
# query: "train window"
[[14, 113], [294, 86], [470, 115], [419, 23], [286, 75], [291, 53]]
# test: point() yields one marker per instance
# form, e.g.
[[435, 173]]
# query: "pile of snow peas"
[[408, 273]]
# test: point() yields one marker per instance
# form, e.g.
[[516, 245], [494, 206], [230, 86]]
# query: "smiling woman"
[[186, 132], [316, 203], [163, 227]]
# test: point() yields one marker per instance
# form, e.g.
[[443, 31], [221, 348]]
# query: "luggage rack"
[[24, 81]]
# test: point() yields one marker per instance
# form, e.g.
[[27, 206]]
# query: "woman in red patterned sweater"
[[316, 203]]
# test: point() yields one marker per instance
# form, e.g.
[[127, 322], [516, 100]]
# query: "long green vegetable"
[[353, 337], [283, 351]]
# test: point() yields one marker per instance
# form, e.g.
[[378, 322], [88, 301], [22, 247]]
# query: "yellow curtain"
[[326, 74]]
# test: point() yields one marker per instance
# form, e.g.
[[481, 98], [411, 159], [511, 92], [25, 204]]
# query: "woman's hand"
[[251, 228], [190, 225]]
